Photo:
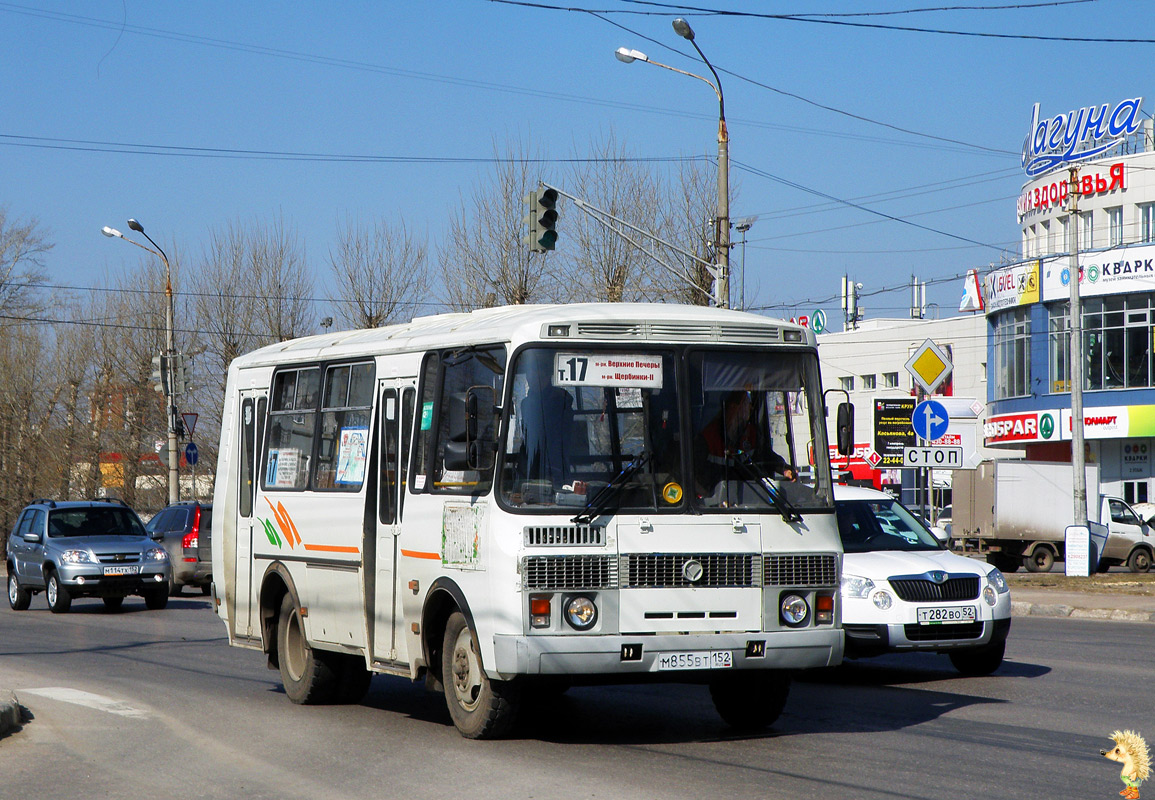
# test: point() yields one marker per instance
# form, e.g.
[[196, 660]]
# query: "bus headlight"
[[794, 610], [581, 613]]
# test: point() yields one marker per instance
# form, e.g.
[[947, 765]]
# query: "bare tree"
[[485, 262], [380, 271], [22, 249]]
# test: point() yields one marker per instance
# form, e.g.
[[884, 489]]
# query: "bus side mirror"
[[844, 428], [472, 430], [462, 425]]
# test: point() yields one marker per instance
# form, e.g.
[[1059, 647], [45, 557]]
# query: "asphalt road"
[[154, 703]]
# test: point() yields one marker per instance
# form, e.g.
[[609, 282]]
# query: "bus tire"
[[481, 708], [306, 674], [750, 700]]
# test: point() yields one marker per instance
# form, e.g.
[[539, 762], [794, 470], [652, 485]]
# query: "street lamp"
[[722, 278], [169, 350], [742, 225]]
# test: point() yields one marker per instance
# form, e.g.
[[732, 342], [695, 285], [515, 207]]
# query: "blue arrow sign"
[[190, 454], [930, 420]]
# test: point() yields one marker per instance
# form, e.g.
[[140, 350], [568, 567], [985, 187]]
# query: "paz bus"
[[534, 496]]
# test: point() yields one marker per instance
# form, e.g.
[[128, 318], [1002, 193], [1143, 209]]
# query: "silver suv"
[[91, 548]]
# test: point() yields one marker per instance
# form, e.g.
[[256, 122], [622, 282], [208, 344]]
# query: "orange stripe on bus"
[[331, 548], [419, 554]]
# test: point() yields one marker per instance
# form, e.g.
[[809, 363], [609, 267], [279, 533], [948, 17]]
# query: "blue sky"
[[446, 80]]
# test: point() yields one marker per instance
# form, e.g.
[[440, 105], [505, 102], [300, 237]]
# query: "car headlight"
[[155, 554], [883, 600], [794, 610], [855, 587], [997, 581], [77, 557]]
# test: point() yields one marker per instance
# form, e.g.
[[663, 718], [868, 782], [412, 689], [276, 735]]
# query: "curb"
[[9, 714], [1021, 609]]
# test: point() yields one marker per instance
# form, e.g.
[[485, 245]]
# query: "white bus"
[[533, 496]]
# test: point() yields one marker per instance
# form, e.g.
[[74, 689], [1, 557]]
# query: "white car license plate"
[[715, 659], [946, 615], [133, 570]]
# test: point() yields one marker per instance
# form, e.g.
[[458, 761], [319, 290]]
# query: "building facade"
[[1111, 236]]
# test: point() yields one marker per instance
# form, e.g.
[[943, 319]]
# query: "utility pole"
[[1078, 454]]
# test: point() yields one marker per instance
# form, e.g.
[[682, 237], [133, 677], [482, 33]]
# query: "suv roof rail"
[[116, 500], [47, 501]]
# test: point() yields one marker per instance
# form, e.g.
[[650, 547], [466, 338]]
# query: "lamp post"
[[722, 239], [169, 351]]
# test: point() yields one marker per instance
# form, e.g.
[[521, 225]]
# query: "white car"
[[903, 591]]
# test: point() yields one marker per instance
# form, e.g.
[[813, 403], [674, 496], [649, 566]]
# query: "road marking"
[[96, 701]]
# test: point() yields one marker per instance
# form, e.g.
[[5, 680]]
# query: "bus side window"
[[456, 373]]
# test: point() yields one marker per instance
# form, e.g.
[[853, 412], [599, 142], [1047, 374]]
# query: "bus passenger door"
[[252, 415], [394, 430]]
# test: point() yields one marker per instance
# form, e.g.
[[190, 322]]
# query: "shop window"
[[1135, 492], [1117, 336], [1012, 338], [1115, 226], [1059, 348]]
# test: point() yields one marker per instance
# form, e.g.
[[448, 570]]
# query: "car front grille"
[[938, 633], [921, 590], [669, 570], [553, 573], [802, 570], [118, 558]]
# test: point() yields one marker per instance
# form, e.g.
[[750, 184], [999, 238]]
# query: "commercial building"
[[1112, 237]]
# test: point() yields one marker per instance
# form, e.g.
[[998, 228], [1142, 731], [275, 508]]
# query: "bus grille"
[[564, 535], [921, 590], [802, 570], [668, 570], [552, 573]]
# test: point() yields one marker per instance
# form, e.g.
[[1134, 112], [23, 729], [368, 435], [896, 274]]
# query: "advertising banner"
[[1016, 285], [1118, 271], [893, 430]]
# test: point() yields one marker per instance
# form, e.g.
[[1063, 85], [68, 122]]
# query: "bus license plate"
[[715, 659], [122, 570], [946, 615]]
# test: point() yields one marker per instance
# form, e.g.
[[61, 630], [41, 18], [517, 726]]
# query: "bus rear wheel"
[[750, 700], [481, 708], [306, 674]]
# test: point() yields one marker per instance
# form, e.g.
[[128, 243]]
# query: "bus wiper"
[[608, 493], [776, 497]]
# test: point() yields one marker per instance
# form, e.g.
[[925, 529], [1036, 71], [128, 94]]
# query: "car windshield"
[[591, 431], [868, 526], [98, 521]]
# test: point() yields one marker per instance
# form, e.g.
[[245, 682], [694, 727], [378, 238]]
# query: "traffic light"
[[541, 220], [159, 372]]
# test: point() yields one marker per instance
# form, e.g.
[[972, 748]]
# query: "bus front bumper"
[[625, 655]]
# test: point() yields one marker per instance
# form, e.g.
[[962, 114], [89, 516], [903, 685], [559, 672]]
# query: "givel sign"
[[1077, 135]]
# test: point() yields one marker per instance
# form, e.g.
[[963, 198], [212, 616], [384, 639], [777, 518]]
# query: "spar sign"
[[1029, 426]]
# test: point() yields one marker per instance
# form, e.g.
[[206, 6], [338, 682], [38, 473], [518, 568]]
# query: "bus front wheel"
[[308, 678], [750, 700], [481, 708]]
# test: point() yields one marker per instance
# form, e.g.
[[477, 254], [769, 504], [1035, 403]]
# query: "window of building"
[[869, 381], [1115, 226], [1117, 336], [1064, 244], [1046, 239], [1147, 222], [890, 380], [1012, 339], [847, 382], [1086, 230]]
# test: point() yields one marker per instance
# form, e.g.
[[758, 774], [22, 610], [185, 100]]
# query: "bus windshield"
[[666, 429]]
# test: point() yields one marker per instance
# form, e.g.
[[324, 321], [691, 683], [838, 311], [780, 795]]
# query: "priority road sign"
[[929, 366], [930, 420]]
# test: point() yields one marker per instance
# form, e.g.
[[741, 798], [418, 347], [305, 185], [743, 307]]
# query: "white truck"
[[1017, 512]]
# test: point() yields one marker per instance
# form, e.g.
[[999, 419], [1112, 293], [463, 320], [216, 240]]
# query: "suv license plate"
[[946, 615], [134, 570], [715, 659]]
